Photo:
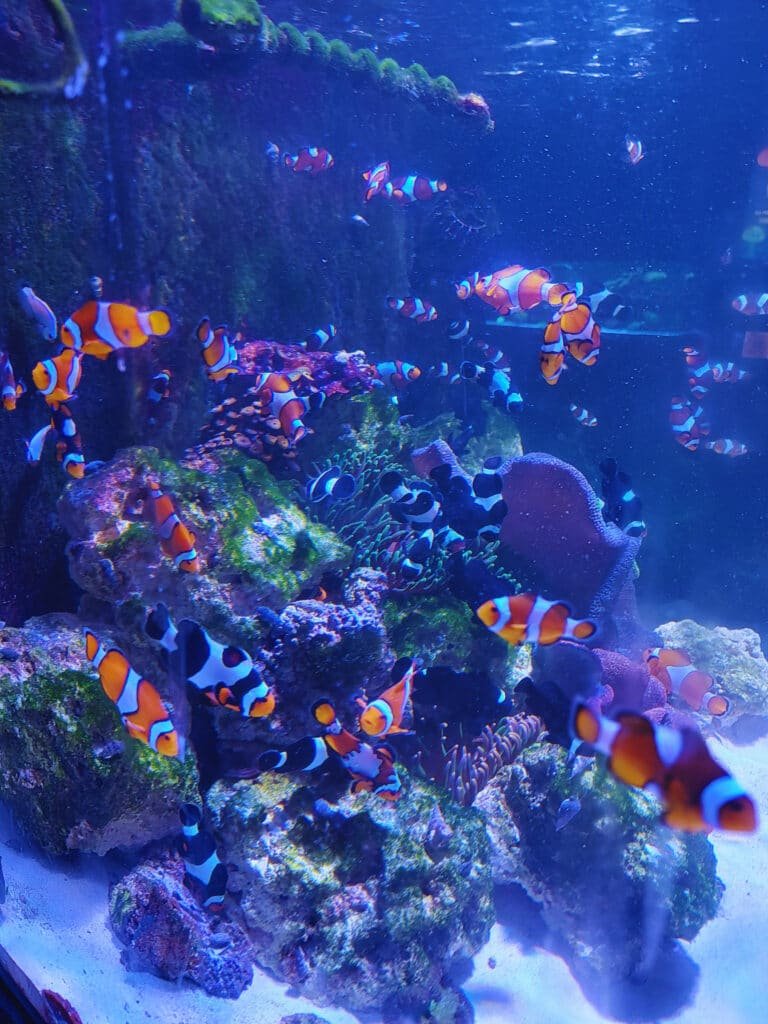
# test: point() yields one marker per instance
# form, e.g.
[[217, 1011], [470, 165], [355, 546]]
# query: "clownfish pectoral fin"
[[361, 786]]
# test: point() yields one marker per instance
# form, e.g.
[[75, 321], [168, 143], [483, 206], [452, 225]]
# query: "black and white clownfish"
[[621, 504], [201, 860], [224, 675], [674, 765]]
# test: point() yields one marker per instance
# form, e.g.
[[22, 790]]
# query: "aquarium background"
[[154, 178]]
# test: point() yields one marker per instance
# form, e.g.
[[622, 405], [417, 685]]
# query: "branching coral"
[[470, 770]]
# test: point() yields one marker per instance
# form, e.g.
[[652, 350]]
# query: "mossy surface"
[[337, 889], [64, 795]]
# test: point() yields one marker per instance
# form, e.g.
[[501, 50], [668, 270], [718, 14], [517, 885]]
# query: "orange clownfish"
[[372, 768], [141, 708], [376, 178], [384, 716], [674, 765], [675, 670], [9, 389], [727, 446], [581, 333], [57, 379], [219, 352], [176, 540], [527, 618], [516, 288], [100, 328], [552, 354], [277, 400]]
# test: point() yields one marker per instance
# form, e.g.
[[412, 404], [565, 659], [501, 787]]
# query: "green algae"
[[75, 67], [61, 793], [346, 887]]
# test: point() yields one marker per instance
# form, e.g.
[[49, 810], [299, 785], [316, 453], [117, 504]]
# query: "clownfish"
[[308, 160], [621, 505], [726, 446], [552, 354], [413, 188], [69, 446], [729, 373], [159, 391], [224, 675], [634, 147], [413, 308], [464, 289], [331, 484], [372, 768], [680, 676], [397, 373], [276, 399], [687, 423], [40, 312], [582, 415], [57, 379], [319, 338], [384, 716], [674, 765], [376, 179], [176, 540], [141, 708], [10, 390], [460, 330], [201, 860], [578, 327], [100, 328], [527, 618], [751, 303], [218, 350], [514, 288], [305, 755]]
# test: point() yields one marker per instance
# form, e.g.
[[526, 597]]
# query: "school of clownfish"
[[674, 764]]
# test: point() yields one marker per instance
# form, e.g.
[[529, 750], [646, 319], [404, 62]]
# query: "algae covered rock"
[[69, 772], [613, 885], [345, 901], [735, 658], [168, 934], [255, 544]]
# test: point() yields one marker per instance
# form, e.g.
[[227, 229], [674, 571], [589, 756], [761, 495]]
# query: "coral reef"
[[470, 770], [553, 531], [71, 775], [167, 933], [345, 901], [256, 546], [595, 912], [735, 658]]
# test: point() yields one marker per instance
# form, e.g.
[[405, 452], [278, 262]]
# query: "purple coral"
[[554, 530]]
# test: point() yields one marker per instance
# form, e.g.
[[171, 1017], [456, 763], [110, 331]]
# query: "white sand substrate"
[[54, 924]]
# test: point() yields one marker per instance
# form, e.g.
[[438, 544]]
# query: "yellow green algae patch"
[[241, 28], [70, 81]]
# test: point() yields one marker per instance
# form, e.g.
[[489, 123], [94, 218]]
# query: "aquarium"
[[383, 590]]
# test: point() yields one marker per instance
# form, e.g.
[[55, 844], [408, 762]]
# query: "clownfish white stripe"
[[717, 793], [669, 743], [202, 872]]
